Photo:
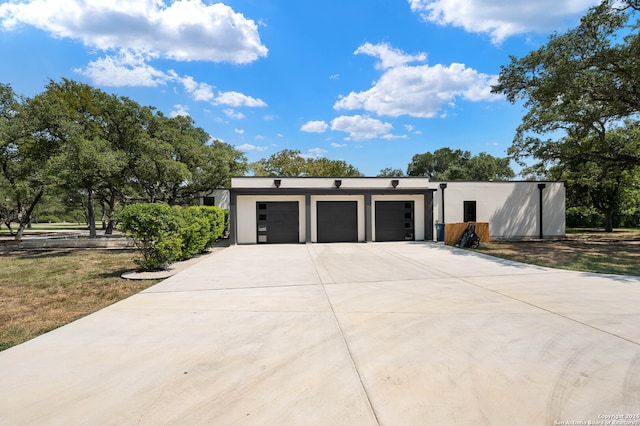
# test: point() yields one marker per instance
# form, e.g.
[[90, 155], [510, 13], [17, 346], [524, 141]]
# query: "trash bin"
[[439, 231]]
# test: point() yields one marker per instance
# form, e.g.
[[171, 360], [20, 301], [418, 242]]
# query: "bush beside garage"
[[163, 234]]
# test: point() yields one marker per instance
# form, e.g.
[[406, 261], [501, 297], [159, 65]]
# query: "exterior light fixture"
[[443, 186], [337, 183], [394, 182], [277, 182]]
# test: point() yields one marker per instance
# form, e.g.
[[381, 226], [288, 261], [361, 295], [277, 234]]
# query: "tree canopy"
[[83, 144], [291, 163], [448, 164], [390, 172]]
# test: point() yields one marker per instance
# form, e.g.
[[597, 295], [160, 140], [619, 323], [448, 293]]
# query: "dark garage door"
[[337, 221], [394, 221], [278, 222]]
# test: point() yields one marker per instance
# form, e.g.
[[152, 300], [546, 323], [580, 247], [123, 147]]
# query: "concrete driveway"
[[342, 334]]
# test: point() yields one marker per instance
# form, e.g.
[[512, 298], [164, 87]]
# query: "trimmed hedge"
[[164, 234]]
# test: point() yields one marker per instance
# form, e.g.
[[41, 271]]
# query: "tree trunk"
[[91, 214], [26, 218], [103, 218], [608, 221], [8, 225], [110, 225], [111, 204]]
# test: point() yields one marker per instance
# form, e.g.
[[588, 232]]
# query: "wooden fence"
[[453, 232]]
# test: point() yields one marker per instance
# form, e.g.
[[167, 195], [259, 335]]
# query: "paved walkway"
[[341, 334]]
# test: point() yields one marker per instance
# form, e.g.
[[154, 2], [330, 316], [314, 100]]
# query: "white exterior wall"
[[418, 212], [247, 227], [511, 208], [314, 212], [221, 196]]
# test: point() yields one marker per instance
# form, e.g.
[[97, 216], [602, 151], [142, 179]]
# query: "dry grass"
[[40, 291], [589, 251]]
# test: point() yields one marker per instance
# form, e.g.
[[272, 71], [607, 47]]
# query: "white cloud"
[[179, 110], [131, 34], [390, 136], [338, 145], [231, 113], [249, 147], [502, 19], [361, 126], [388, 56], [417, 90], [185, 30], [314, 153], [239, 131], [202, 92], [237, 99], [314, 127], [127, 68], [198, 91]]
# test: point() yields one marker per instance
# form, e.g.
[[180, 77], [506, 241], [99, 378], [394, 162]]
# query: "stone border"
[[173, 269]]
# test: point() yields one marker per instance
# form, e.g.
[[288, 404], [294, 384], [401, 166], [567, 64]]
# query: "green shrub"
[[216, 218], [155, 232], [194, 231], [165, 234]]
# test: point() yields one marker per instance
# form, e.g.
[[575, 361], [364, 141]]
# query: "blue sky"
[[371, 82]]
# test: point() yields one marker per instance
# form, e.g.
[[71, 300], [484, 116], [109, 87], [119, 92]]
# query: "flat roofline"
[[330, 191], [398, 177], [329, 177], [497, 181]]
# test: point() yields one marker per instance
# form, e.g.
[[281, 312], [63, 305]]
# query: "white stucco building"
[[514, 210], [342, 209]]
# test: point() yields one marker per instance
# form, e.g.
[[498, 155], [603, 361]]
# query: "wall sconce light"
[[277, 182], [394, 182], [337, 183]]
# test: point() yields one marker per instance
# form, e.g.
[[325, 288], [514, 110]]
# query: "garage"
[[337, 221], [277, 222], [394, 221], [325, 210]]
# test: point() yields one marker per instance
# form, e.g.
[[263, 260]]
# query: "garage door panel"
[[337, 221], [278, 222], [394, 221]]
